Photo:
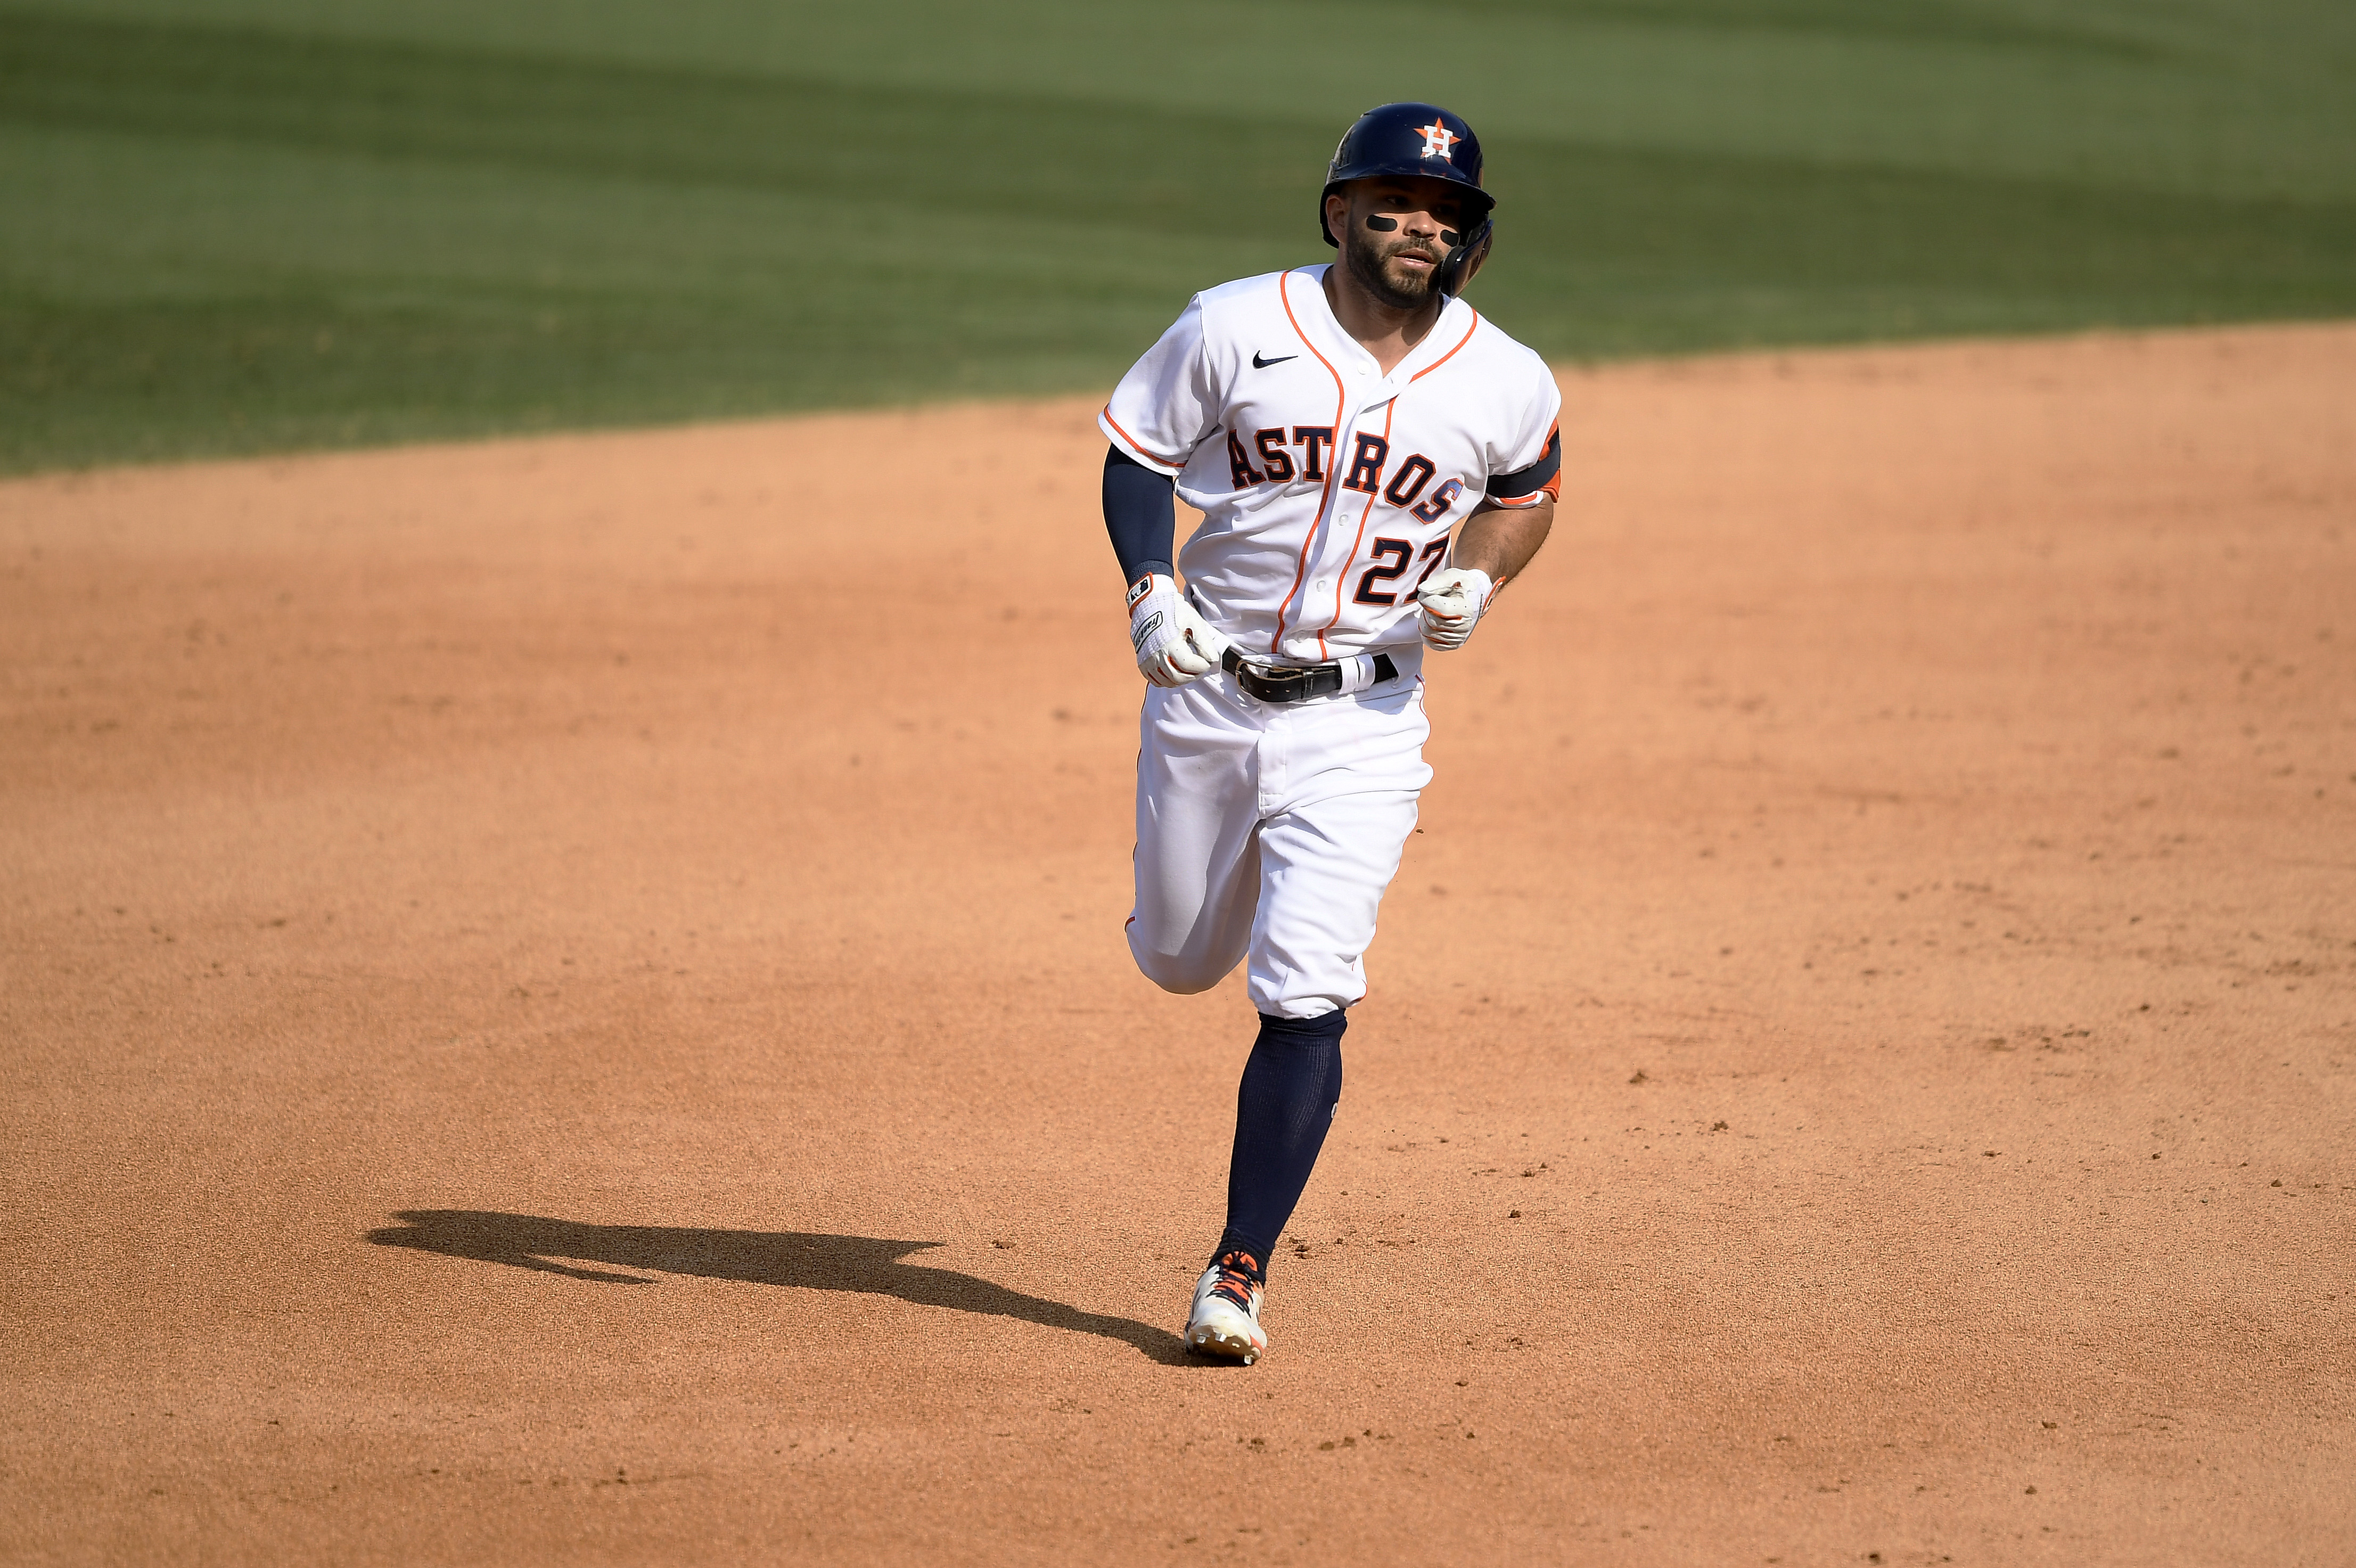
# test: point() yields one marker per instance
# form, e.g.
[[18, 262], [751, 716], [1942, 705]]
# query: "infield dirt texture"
[[562, 999], [565, 1004]]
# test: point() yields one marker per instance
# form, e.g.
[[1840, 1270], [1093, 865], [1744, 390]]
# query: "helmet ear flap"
[[1465, 260]]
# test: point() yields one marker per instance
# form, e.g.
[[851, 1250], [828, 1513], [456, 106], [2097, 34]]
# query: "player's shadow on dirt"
[[800, 1259]]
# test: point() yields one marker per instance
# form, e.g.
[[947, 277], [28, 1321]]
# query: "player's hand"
[[1173, 643], [1449, 602]]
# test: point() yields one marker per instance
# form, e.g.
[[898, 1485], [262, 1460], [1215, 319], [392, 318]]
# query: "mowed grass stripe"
[[1905, 21], [969, 151], [419, 302], [1640, 252], [227, 239]]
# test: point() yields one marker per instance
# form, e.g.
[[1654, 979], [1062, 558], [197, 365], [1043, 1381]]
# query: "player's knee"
[[1177, 976], [1180, 974]]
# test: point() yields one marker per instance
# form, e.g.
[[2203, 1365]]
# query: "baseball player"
[[1374, 460]]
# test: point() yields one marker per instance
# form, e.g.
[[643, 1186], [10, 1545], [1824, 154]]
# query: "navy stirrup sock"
[[1291, 1088]]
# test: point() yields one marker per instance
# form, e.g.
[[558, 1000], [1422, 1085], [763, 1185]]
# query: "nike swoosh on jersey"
[[1260, 364]]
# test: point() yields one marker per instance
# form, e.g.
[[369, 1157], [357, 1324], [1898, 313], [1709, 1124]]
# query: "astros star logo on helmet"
[[1436, 139]]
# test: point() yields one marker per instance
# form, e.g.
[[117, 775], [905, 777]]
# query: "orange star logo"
[[1436, 139]]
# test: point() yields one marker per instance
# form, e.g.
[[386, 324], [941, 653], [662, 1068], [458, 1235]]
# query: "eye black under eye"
[[1450, 237], [1380, 224]]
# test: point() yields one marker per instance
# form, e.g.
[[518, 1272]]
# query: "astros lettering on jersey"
[[1328, 488]]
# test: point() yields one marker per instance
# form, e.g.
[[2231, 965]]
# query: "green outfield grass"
[[239, 225]]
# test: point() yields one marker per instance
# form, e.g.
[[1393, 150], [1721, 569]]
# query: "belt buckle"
[[1268, 682], [1285, 684]]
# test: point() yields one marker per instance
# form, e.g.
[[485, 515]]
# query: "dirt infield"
[[565, 1002]]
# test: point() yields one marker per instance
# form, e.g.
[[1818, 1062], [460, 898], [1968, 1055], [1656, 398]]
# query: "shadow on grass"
[[800, 1259]]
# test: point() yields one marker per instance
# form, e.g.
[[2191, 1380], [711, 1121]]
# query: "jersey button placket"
[[1349, 507], [1323, 543]]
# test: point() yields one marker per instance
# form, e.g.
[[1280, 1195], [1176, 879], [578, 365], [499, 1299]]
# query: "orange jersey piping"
[[1139, 446], [1343, 577], [1333, 464], [1451, 353]]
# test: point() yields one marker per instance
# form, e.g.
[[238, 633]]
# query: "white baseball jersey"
[[1327, 488], [1328, 491]]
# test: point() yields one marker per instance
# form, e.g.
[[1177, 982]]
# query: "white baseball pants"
[[1271, 831]]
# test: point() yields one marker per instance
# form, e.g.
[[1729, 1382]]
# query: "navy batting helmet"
[[1417, 139]]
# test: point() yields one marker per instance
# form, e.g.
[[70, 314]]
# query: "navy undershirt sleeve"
[[1139, 514]]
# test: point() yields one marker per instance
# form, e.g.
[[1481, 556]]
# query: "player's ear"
[[1337, 216]]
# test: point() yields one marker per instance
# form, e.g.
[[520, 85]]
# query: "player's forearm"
[[1141, 516], [1501, 541]]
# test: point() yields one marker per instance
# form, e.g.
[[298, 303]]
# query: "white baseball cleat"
[[1225, 1321]]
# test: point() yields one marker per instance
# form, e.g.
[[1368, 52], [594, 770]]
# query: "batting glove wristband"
[[1449, 604], [1173, 645]]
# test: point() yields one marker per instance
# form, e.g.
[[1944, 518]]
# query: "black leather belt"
[[1295, 683]]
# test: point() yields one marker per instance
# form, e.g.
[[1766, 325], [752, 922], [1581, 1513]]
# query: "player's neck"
[[1387, 333]]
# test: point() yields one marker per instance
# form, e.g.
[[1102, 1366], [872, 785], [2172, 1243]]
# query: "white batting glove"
[[1449, 602], [1173, 643]]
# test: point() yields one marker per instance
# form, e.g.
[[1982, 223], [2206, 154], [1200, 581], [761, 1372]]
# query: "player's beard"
[[1366, 256]]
